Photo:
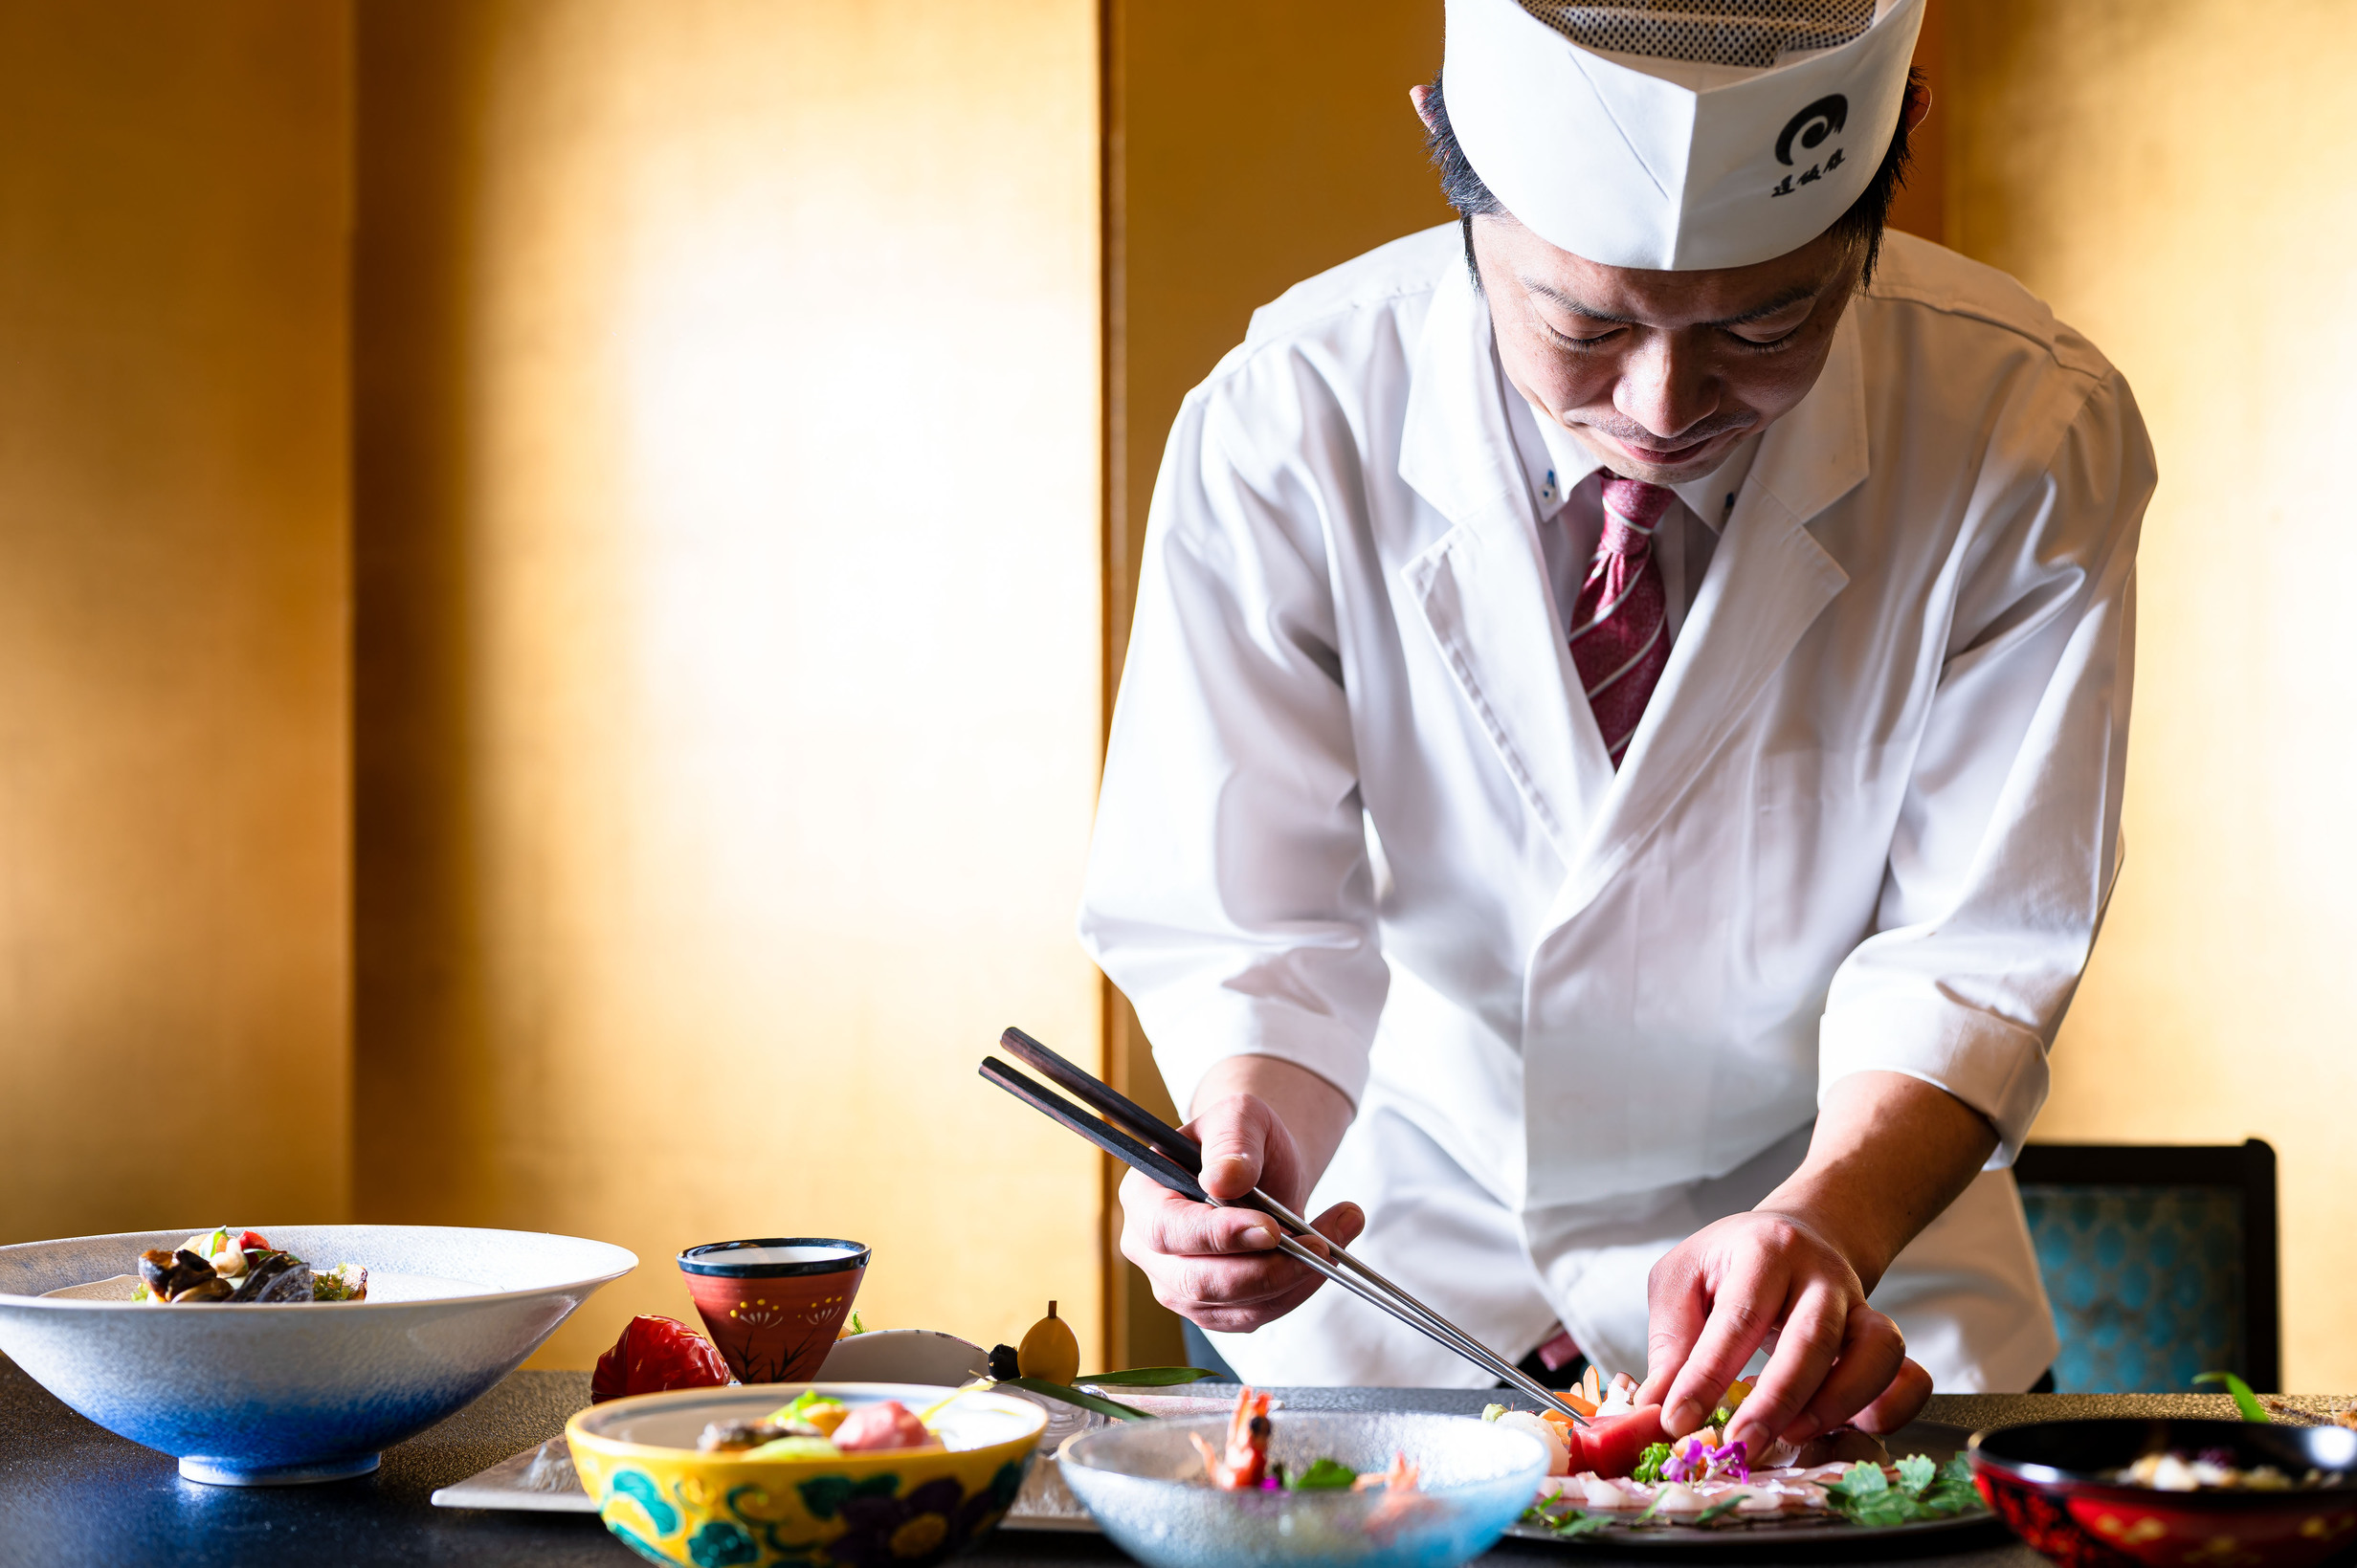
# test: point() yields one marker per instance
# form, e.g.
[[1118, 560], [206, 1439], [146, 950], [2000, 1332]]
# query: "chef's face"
[[1660, 373]]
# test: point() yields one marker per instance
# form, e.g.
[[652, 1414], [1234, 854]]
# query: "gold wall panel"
[[175, 195], [2174, 176], [729, 631], [1249, 145]]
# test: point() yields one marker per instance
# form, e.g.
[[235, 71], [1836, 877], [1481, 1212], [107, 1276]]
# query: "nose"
[[1664, 388]]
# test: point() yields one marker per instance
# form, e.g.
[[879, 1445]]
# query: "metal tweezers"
[[1155, 1149]]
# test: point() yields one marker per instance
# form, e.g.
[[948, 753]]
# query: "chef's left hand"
[[1717, 1297], [1889, 1154]]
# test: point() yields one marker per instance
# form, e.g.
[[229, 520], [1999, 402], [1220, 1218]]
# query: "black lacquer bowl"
[[2050, 1482]]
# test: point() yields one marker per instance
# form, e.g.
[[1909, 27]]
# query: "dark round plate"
[[1820, 1536]]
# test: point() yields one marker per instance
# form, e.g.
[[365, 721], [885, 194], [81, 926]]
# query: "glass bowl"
[[1144, 1483]]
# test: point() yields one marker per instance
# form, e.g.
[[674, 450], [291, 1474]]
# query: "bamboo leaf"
[[1073, 1396], [1151, 1377], [2245, 1400]]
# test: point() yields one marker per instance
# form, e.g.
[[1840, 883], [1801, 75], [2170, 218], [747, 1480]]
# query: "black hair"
[[1861, 224]]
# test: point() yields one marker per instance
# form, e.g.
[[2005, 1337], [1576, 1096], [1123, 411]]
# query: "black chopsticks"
[[1148, 1144]]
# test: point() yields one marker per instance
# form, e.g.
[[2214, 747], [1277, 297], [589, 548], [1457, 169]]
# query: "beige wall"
[[729, 631], [174, 196], [2177, 183]]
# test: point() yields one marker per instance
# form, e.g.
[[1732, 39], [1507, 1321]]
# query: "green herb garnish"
[[2245, 1400], [798, 1413], [1323, 1475], [1562, 1520], [1649, 1463], [1720, 1509], [1924, 1490]]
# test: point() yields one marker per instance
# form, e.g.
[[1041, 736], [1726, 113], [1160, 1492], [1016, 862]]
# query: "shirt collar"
[[1569, 461]]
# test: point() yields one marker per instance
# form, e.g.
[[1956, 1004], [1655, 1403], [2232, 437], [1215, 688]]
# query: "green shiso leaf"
[[1323, 1475], [1927, 1490]]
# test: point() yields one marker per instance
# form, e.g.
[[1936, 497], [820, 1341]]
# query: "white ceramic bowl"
[[268, 1395], [905, 1356]]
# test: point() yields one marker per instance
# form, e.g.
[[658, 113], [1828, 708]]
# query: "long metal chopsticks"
[[1155, 1149]]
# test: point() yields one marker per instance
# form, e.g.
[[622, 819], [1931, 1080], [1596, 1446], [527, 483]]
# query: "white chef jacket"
[[1357, 815]]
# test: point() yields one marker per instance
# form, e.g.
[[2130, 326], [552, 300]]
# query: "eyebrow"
[[1784, 302]]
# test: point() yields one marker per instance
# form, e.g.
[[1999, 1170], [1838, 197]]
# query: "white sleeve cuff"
[[1992, 1064]]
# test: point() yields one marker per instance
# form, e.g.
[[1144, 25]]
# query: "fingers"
[[1813, 1333], [1677, 1306], [1158, 1223], [1234, 1133], [1898, 1403], [1218, 1266], [1872, 1351], [1750, 1301], [1342, 1225]]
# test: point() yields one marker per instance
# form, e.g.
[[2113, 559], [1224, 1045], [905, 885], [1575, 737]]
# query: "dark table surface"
[[72, 1493]]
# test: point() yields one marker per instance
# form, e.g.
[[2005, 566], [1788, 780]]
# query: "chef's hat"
[[1678, 134]]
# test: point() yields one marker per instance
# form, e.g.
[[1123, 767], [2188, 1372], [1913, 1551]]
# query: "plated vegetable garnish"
[[1622, 1470], [233, 1266], [817, 1426]]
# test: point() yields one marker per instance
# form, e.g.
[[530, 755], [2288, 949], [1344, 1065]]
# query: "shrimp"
[[1244, 1464], [1400, 1502]]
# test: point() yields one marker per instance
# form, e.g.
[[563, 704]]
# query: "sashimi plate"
[[1738, 1536]]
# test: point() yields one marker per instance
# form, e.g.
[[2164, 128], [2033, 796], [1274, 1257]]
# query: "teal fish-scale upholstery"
[[2145, 1281]]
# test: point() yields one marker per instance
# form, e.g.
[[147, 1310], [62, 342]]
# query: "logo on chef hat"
[[1812, 125], [1640, 134]]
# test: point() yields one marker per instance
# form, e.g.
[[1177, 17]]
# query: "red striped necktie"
[[1620, 622]]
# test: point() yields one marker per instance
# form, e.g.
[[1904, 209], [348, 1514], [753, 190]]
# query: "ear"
[[1417, 96], [1919, 104]]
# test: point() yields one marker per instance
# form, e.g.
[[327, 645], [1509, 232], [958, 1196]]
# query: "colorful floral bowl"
[[637, 1460], [2051, 1482], [1142, 1483], [270, 1395]]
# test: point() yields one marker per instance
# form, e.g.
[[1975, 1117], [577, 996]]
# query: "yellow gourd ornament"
[[1049, 1350]]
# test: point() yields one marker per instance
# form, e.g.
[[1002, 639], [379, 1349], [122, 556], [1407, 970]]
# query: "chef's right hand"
[[1219, 1266]]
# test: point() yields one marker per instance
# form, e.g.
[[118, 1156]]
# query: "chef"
[[1618, 767]]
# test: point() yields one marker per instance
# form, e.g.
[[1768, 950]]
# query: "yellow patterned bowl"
[[671, 1504]]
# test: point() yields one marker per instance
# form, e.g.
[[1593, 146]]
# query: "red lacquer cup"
[[774, 1306]]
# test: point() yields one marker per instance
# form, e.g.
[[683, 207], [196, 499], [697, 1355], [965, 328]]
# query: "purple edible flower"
[[1694, 1460]]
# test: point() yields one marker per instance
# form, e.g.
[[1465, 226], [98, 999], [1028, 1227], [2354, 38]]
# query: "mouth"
[[1667, 457]]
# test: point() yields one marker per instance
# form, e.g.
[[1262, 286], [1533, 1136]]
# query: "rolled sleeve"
[[1229, 891], [2008, 841]]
